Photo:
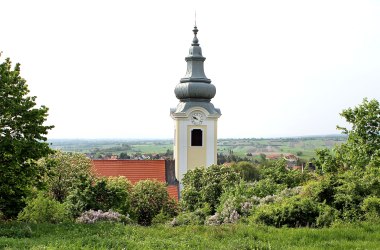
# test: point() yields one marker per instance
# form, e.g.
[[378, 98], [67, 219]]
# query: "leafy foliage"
[[44, 209], [345, 187], [22, 136], [292, 212], [100, 194], [371, 207], [267, 187], [247, 170], [148, 199], [326, 161], [196, 217], [277, 172], [235, 198], [363, 143], [62, 171], [206, 185]]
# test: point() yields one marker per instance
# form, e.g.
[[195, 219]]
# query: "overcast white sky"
[[107, 69]]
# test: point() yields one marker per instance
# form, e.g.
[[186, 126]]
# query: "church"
[[195, 131]]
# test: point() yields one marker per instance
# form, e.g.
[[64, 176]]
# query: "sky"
[[108, 69]]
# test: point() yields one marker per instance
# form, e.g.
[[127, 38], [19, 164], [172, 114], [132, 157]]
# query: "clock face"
[[197, 118]]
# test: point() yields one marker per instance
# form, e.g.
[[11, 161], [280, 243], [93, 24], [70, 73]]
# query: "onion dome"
[[195, 86]]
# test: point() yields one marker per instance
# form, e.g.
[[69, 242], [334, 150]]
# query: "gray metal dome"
[[195, 86]]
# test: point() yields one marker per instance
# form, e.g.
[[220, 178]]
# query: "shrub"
[[289, 192], [80, 196], [371, 207], [111, 193], [267, 187], [292, 212], [191, 198], [206, 185], [278, 173], [214, 220], [269, 199], [239, 201], [216, 181], [371, 178], [236, 202], [161, 218], [169, 210], [327, 216], [91, 216], [350, 191], [148, 199], [43, 209], [227, 212], [100, 194], [274, 170], [322, 190], [196, 217]]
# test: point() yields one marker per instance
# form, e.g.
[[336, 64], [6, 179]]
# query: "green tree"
[[263, 158], [62, 171], [22, 139], [247, 170], [326, 161], [363, 142], [124, 155]]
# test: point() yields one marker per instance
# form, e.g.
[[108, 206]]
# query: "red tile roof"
[[173, 191], [134, 171]]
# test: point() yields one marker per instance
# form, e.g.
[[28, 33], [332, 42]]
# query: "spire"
[[195, 86], [195, 90]]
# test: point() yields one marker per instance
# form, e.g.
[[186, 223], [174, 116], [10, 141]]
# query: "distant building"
[[291, 160]]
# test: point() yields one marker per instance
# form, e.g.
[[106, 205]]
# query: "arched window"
[[196, 137]]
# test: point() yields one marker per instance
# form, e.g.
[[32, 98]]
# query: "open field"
[[118, 236], [303, 147]]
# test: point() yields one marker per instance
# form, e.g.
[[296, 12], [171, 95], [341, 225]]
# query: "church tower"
[[195, 118]]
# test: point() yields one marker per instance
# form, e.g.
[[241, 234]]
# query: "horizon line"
[[225, 138]]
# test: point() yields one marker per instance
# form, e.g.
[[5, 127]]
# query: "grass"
[[116, 236]]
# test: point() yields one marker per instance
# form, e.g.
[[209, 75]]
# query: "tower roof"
[[195, 86]]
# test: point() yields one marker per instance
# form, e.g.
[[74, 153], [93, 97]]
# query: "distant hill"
[[303, 147]]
